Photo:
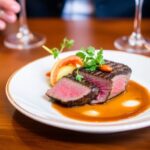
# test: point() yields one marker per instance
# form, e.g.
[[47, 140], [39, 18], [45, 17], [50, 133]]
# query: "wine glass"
[[135, 43], [24, 38]]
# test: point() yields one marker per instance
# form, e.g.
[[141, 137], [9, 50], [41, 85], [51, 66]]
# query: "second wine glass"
[[24, 39], [135, 43]]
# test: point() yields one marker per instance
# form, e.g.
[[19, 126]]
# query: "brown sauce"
[[133, 101]]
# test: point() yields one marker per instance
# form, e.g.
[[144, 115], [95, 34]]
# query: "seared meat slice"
[[96, 87], [70, 92], [110, 84]]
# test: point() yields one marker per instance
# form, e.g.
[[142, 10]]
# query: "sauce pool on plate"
[[132, 102]]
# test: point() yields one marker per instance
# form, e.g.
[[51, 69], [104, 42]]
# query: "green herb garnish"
[[66, 43], [91, 59], [78, 76]]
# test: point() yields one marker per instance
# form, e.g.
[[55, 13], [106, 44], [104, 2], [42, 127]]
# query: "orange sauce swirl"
[[135, 100]]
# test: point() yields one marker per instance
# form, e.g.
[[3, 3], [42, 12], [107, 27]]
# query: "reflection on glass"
[[24, 38], [135, 42]]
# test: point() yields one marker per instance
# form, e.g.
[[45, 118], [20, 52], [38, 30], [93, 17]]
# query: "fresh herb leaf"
[[90, 51], [55, 51], [100, 58], [78, 76], [66, 43], [91, 62], [69, 43], [91, 59], [91, 68], [81, 55]]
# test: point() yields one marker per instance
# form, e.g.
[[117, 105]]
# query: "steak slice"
[[70, 92], [110, 84]]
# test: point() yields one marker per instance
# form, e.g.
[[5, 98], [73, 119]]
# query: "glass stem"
[[23, 27], [138, 15]]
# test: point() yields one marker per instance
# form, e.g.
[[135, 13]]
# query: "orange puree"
[[133, 101]]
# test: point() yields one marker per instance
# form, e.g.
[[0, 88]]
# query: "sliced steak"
[[70, 92], [110, 84]]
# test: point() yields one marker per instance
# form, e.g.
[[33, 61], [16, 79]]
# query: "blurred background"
[[83, 9], [80, 10]]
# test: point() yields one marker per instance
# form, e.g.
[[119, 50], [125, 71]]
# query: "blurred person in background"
[[54, 8], [35, 8], [8, 10]]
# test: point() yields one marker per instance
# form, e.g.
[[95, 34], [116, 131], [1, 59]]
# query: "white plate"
[[26, 92]]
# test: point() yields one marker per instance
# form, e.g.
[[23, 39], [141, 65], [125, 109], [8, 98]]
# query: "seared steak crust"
[[117, 68], [79, 102]]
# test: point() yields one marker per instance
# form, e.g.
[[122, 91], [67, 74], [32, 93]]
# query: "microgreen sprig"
[[66, 43], [91, 59], [78, 76]]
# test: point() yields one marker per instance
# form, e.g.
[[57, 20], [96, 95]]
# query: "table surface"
[[18, 132]]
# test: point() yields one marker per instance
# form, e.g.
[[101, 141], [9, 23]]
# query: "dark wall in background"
[[103, 8]]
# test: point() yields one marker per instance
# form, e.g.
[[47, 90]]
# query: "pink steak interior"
[[119, 85], [68, 90]]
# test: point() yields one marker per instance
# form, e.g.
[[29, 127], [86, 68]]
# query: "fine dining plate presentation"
[[26, 92]]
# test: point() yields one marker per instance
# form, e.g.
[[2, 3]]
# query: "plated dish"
[[26, 91]]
